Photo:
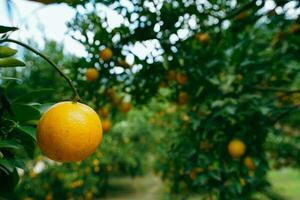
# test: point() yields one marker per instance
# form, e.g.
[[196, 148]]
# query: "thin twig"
[[75, 93]]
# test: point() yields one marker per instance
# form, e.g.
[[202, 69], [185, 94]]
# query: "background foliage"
[[216, 71]]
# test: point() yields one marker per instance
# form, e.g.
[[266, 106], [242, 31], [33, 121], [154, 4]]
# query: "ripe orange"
[[171, 75], [236, 148], [103, 112], [69, 132], [106, 125], [202, 37], [91, 74], [106, 54], [248, 162], [183, 98], [125, 107], [181, 78]]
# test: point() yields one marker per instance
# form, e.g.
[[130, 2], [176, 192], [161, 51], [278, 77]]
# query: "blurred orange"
[[236, 148], [181, 78], [106, 125], [125, 107], [91, 74], [106, 54]]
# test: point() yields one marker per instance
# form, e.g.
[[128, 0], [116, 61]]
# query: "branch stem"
[[75, 93]]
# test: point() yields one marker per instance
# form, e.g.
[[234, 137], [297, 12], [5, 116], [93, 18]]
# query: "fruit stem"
[[75, 93]]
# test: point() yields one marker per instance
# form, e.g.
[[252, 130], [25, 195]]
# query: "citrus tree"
[[73, 137], [121, 127], [229, 65]]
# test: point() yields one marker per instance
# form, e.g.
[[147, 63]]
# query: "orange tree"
[[19, 117], [89, 178], [230, 65]]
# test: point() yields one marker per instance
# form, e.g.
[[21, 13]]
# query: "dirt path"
[[141, 188]]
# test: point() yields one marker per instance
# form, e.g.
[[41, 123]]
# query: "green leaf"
[[32, 122], [215, 175], [29, 130], [7, 51], [11, 62], [8, 144], [10, 78], [4, 170], [25, 112], [7, 164], [238, 188], [5, 29], [33, 95], [20, 163]]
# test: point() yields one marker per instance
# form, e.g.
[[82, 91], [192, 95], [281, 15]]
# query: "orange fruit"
[[181, 78], [69, 132], [248, 162], [236, 148], [103, 112], [91, 74], [202, 37], [183, 98], [106, 125], [106, 54], [171, 75], [125, 107]]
